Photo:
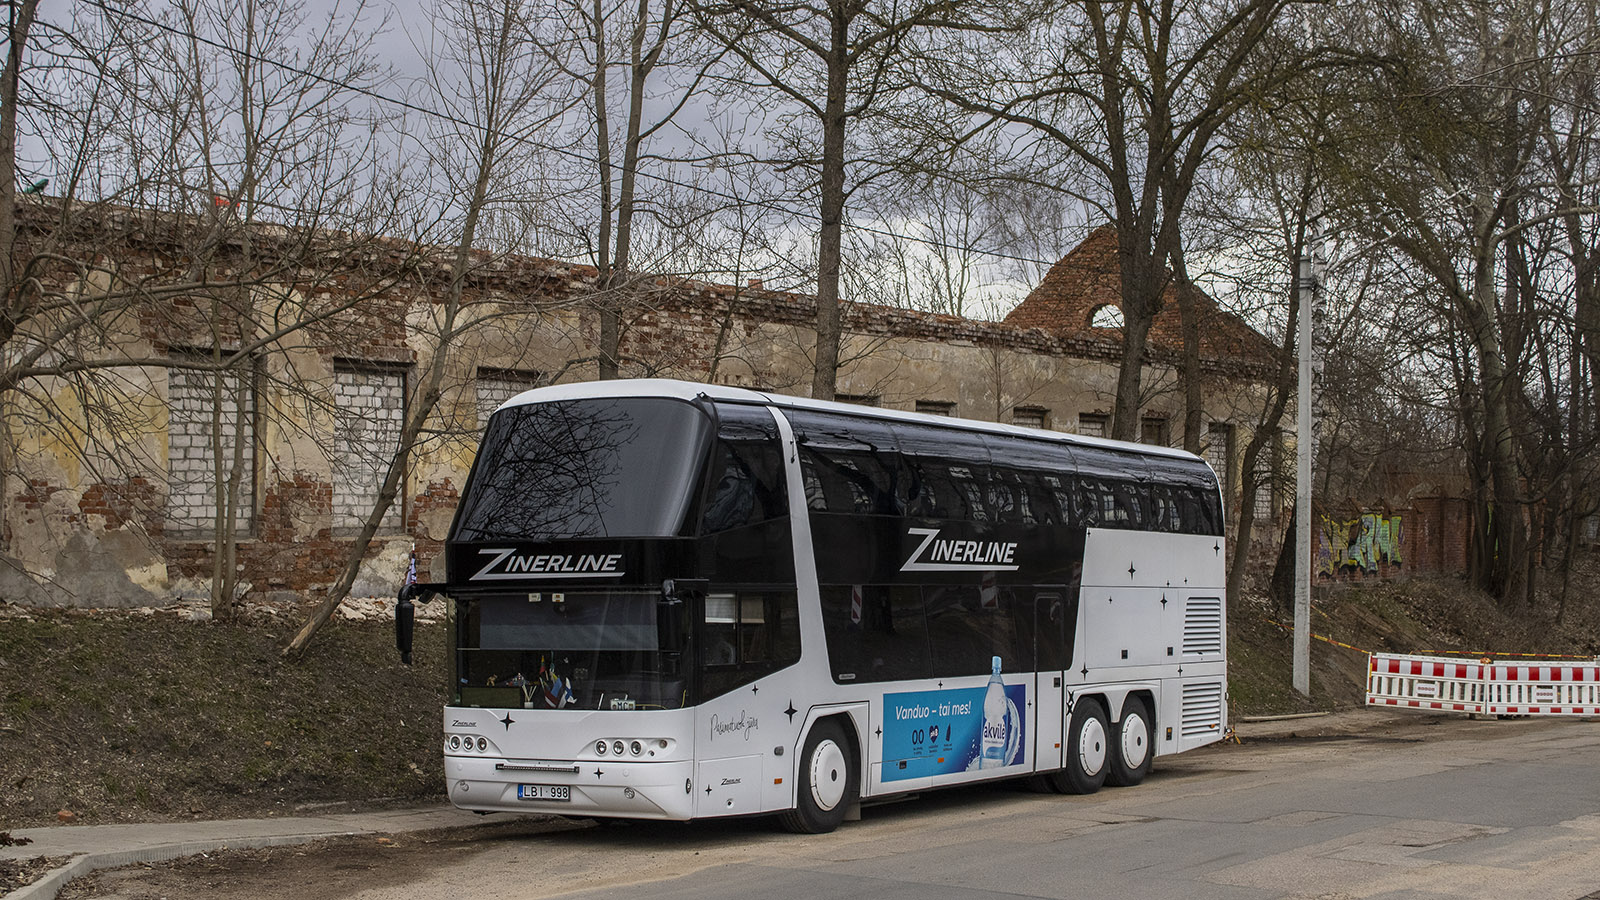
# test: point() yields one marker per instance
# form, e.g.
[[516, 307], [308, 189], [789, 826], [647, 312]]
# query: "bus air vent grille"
[[1202, 709], [1202, 626]]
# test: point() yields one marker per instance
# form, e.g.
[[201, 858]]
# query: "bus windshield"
[[585, 469], [603, 649]]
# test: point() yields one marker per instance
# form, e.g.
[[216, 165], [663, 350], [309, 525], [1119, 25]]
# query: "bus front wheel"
[[1131, 750], [1088, 750], [827, 786]]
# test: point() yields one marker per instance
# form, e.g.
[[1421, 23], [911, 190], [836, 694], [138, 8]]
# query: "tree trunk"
[[830, 237], [1194, 412], [10, 103]]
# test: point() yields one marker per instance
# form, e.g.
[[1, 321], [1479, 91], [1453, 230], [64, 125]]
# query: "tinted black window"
[[875, 632], [949, 474], [1040, 474], [744, 635], [970, 624], [745, 483], [849, 465], [1113, 488], [585, 468], [1192, 489]]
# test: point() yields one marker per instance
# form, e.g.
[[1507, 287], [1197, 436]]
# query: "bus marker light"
[[777, 781]]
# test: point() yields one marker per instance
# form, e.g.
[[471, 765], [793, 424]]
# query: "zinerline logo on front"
[[506, 563]]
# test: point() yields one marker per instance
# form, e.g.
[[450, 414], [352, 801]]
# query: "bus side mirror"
[[405, 624], [405, 617]]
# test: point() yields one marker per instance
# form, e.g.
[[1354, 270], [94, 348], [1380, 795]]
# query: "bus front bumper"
[[632, 790]]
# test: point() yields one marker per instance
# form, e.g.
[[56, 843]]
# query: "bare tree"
[[1134, 95], [831, 64], [493, 69]]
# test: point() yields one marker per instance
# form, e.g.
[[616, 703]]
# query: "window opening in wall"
[[203, 405], [859, 399], [1153, 430], [1030, 417], [1107, 315], [496, 386], [1218, 451], [1266, 478], [936, 407], [1093, 424], [370, 410]]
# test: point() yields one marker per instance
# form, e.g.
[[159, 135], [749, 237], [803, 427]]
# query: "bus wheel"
[[827, 787], [1131, 751], [1088, 750]]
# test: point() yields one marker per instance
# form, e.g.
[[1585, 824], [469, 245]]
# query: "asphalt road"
[[1448, 808]]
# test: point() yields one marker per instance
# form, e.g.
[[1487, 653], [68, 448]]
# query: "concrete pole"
[[1306, 407], [1306, 285]]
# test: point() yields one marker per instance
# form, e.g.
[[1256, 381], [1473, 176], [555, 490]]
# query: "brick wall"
[[191, 452], [327, 412], [1382, 544], [371, 407]]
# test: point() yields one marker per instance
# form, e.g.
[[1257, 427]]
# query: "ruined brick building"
[[132, 520]]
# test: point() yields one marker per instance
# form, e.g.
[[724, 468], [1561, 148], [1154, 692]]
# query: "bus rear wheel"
[[1088, 750], [827, 786], [1131, 749]]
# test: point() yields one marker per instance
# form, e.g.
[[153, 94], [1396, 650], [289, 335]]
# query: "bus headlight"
[[483, 745], [636, 748], [616, 747], [600, 747]]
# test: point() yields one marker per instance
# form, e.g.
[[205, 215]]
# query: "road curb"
[[51, 884]]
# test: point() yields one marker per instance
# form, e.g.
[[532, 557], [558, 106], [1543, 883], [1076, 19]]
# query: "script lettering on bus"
[[949, 555], [507, 563], [745, 724]]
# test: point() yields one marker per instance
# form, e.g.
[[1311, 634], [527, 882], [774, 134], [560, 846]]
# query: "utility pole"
[[1306, 402]]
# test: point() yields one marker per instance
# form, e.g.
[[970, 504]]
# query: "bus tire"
[[1088, 750], [1132, 745], [827, 787]]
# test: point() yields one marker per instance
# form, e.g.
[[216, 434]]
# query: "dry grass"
[[120, 717]]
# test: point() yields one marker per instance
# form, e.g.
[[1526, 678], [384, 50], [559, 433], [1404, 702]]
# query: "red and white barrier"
[[1542, 688]]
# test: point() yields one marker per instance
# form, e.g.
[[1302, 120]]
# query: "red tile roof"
[[1089, 278]]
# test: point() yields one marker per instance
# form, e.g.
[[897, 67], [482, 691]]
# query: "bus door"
[[1052, 635]]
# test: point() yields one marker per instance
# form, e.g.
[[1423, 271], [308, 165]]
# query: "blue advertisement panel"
[[928, 733]]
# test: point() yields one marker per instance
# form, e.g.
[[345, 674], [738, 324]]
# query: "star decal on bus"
[[507, 721]]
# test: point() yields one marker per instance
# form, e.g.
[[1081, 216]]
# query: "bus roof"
[[689, 390]]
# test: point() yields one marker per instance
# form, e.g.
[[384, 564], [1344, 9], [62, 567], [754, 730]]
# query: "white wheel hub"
[[1092, 746], [828, 775], [1135, 740]]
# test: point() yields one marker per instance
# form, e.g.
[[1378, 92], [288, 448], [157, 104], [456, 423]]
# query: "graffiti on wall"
[[1358, 545]]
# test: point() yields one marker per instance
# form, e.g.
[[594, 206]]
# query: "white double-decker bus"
[[678, 601]]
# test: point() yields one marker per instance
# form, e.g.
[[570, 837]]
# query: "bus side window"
[[746, 635], [875, 632], [1093, 500], [968, 625], [746, 476]]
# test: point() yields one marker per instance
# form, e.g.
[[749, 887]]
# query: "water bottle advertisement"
[[927, 733]]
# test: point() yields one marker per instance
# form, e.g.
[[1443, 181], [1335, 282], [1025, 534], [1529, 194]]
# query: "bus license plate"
[[544, 792]]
